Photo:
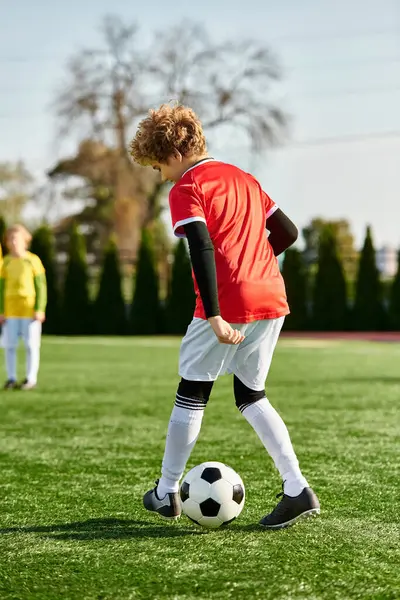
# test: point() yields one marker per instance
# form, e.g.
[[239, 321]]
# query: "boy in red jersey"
[[241, 302]]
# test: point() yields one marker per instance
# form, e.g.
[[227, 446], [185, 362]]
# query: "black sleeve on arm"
[[283, 233], [203, 262]]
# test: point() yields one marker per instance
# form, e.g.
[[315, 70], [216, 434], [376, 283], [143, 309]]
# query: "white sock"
[[32, 363], [183, 431], [11, 363], [274, 435]]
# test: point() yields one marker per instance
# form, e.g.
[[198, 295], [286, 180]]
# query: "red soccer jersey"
[[235, 208]]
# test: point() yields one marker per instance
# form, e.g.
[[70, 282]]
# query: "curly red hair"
[[165, 131]]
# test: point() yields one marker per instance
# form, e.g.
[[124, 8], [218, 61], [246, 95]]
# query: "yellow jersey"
[[22, 286]]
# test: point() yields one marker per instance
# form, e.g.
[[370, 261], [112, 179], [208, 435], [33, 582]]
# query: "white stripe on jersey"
[[201, 162], [271, 211], [185, 222]]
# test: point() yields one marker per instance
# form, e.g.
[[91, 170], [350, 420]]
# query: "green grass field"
[[77, 454]]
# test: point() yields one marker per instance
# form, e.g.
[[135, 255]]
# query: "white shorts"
[[203, 358], [14, 328]]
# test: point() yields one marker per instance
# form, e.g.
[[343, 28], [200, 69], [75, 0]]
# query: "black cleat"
[[291, 509], [168, 508], [10, 384]]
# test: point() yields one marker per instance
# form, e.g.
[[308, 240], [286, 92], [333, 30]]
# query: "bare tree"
[[228, 84], [108, 89]]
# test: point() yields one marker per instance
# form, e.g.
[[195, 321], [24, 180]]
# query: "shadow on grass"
[[105, 529], [117, 529], [342, 380]]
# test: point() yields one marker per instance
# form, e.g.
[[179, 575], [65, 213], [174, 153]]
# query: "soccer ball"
[[212, 495]]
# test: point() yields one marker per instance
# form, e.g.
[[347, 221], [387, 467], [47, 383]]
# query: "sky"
[[341, 87]]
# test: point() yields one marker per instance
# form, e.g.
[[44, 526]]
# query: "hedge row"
[[319, 298]]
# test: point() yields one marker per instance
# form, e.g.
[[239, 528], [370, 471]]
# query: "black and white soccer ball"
[[212, 495]]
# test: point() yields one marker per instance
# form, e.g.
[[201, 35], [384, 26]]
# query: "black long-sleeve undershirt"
[[283, 233], [203, 262]]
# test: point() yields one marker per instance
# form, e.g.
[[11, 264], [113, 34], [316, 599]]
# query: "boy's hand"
[[224, 332], [2, 319], [39, 316]]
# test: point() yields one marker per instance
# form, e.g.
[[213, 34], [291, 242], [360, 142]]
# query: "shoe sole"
[[176, 518], [155, 512], [305, 515]]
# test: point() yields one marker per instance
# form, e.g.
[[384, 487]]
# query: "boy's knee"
[[196, 391], [244, 396]]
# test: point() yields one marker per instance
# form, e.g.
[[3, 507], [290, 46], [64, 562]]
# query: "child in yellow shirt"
[[23, 298]]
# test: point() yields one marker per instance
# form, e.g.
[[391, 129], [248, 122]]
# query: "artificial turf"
[[77, 454]]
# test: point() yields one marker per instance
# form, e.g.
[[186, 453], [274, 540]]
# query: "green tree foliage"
[[181, 297], [43, 245], [295, 276], [145, 313], [394, 303], [330, 290], [368, 312], [345, 243], [76, 314], [109, 307]]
